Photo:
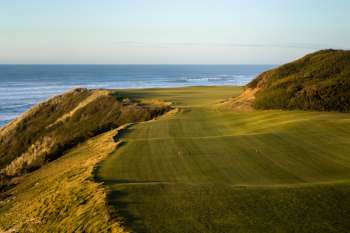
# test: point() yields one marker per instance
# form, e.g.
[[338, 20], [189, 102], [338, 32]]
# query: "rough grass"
[[62, 196], [205, 170], [18, 135], [318, 81]]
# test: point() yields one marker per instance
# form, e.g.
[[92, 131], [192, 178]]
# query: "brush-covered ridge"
[[47, 130], [319, 81]]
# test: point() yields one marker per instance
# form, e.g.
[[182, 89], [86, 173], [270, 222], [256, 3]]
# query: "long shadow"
[[122, 133], [117, 205], [119, 210], [130, 181], [137, 95]]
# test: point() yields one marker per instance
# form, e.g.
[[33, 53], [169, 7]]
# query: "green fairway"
[[209, 170]]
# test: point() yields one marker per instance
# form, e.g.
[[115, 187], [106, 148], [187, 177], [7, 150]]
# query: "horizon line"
[[140, 64]]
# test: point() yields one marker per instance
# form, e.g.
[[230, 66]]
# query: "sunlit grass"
[[62, 196], [206, 170]]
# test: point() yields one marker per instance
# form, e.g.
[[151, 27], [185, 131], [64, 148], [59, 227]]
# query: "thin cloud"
[[232, 45]]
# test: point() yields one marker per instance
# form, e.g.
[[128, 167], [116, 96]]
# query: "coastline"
[[8, 120], [22, 86]]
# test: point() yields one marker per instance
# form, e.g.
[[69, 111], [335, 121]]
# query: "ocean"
[[22, 86]]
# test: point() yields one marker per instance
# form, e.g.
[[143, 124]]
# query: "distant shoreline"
[[22, 86], [4, 122]]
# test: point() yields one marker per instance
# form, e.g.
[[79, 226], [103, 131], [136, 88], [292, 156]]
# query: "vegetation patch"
[[319, 81]]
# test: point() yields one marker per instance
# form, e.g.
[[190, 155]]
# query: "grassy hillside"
[[318, 81], [205, 170], [197, 169], [61, 196], [47, 130]]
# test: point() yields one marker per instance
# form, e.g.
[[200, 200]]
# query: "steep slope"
[[319, 81], [61, 196], [47, 130]]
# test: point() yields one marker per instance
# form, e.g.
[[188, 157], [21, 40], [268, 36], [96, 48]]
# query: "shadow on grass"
[[119, 209], [121, 134], [120, 203], [136, 95], [117, 206]]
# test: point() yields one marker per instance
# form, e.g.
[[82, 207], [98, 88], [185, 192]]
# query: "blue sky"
[[155, 31]]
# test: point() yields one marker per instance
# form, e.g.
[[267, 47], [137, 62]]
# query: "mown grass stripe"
[[204, 170]]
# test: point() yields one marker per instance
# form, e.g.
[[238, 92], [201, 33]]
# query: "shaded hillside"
[[319, 81], [43, 133]]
